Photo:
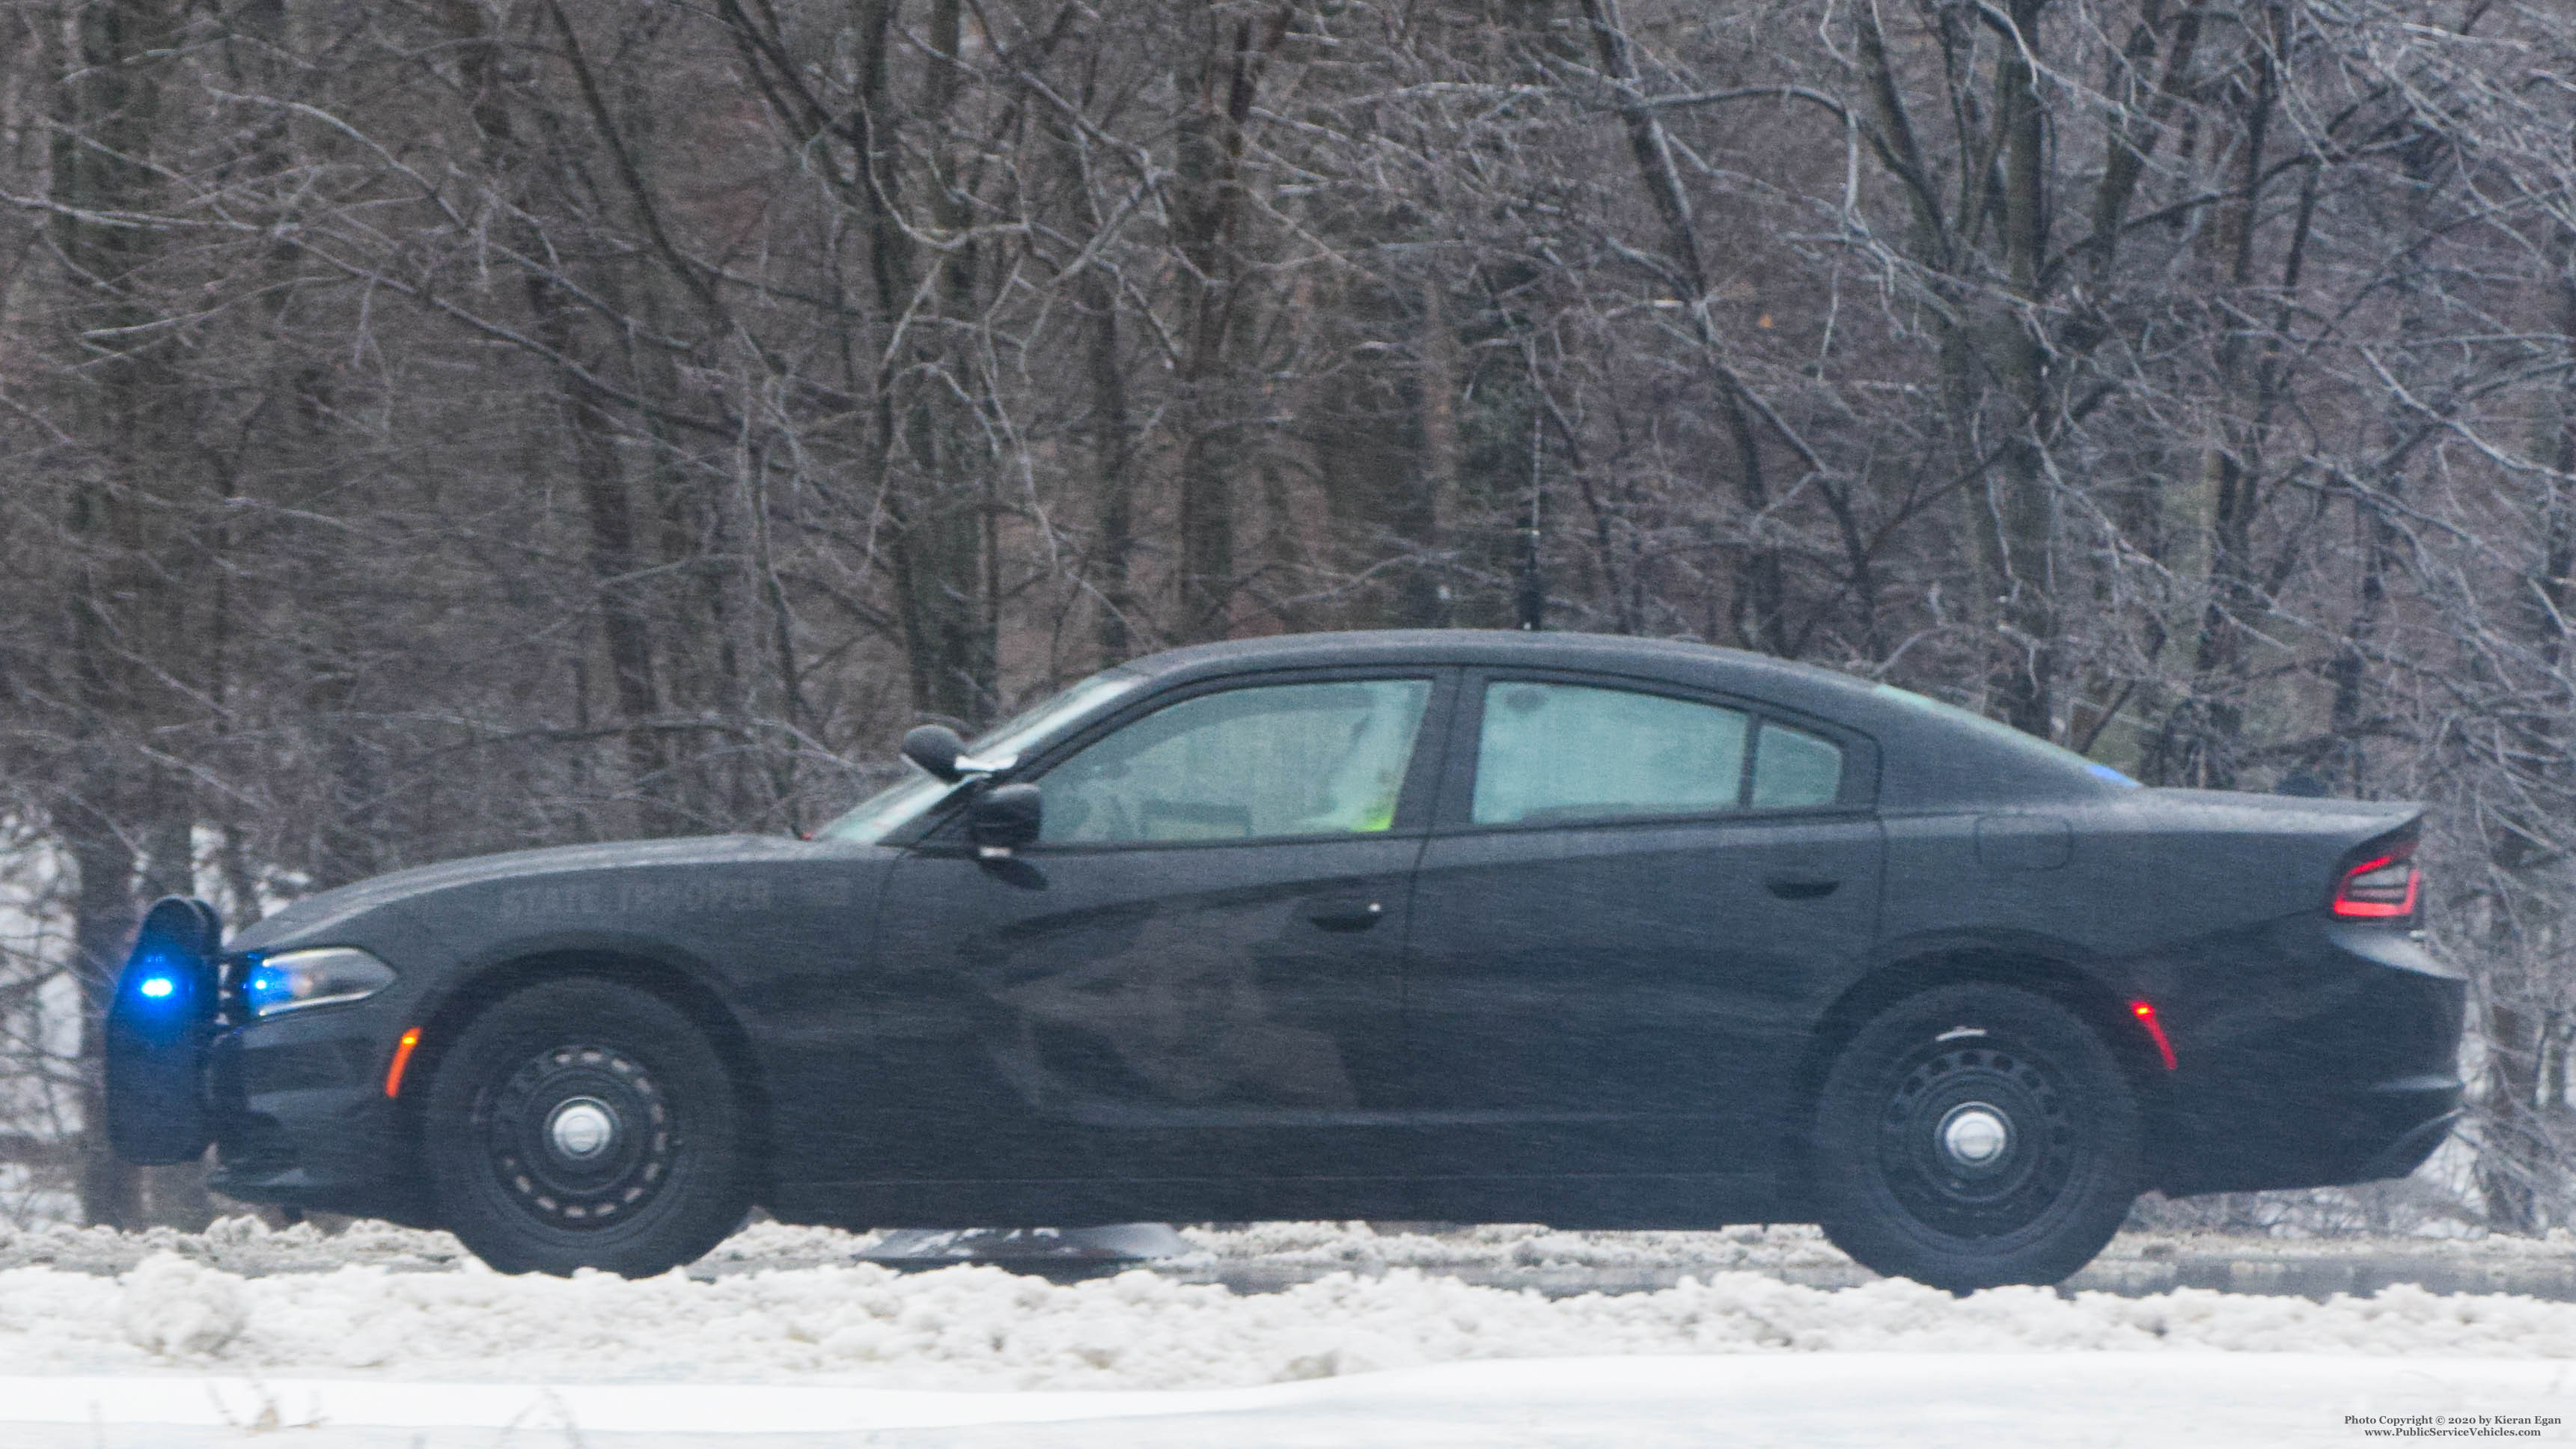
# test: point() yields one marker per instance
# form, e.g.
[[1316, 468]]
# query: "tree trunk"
[[1218, 90], [2016, 530], [1761, 583], [934, 501], [2524, 1094], [128, 622], [1113, 457]]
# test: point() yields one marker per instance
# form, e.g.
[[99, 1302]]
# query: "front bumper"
[[300, 1116], [2326, 1057]]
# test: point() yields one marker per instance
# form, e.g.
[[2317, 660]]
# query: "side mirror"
[[935, 748], [1003, 819]]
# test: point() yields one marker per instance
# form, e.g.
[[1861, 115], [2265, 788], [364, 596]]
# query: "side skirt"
[[1624, 1201]]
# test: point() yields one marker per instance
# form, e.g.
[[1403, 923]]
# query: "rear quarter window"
[[1793, 769]]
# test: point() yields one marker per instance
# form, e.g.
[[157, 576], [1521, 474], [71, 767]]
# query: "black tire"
[[1972, 1136], [581, 1124]]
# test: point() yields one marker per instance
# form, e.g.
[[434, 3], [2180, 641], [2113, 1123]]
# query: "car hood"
[[318, 914]]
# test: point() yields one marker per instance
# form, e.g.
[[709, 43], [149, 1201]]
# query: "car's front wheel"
[[581, 1124], [1975, 1135]]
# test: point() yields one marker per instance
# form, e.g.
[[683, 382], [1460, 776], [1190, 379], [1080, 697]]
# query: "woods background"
[[439, 426]]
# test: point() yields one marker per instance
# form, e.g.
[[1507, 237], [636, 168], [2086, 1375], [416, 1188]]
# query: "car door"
[[1632, 901], [1191, 981]]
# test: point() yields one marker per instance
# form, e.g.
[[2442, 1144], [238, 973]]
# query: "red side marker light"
[[402, 1059], [2146, 1014]]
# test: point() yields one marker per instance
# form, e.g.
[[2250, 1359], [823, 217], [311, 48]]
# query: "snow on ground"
[[786, 1338], [249, 1247], [1361, 1247], [390, 1304], [1789, 1247]]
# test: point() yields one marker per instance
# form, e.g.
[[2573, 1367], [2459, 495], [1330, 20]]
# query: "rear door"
[[1632, 900]]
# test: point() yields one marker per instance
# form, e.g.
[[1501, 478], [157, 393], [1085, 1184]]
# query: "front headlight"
[[316, 977]]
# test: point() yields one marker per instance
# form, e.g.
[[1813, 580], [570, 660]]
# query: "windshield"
[[1996, 730], [900, 803]]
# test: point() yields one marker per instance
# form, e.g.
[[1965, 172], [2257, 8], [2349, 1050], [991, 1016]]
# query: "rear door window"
[[1550, 753]]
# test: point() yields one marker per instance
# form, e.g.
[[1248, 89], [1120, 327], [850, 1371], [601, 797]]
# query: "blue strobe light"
[[157, 987], [267, 988]]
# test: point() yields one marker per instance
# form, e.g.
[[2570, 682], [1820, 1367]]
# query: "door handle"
[[1793, 888], [1345, 915]]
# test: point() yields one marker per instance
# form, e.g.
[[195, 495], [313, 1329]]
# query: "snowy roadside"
[[250, 1248], [785, 1338], [388, 1305]]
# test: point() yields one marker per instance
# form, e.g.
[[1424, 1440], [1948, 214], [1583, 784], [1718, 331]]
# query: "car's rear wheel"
[[581, 1124], [1975, 1135]]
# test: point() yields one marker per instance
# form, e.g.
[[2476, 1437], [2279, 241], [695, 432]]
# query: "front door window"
[[1268, 762]]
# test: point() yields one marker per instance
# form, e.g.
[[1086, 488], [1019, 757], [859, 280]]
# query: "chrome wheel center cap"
[[581, 1128], [1974, 1134]]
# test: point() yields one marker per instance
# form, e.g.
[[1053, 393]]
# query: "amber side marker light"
[[2145, 1011], [402, 1059]]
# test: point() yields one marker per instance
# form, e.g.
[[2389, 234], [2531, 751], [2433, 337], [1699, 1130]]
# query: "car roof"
[[1928, 756], [1511, 647]]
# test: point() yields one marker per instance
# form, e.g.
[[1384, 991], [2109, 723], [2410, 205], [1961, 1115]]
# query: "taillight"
[[2381, 887]]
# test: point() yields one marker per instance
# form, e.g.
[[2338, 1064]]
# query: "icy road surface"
[[379, 1336]]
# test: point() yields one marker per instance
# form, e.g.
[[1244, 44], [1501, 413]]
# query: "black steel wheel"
[[581, 1124], [1972, 1136]]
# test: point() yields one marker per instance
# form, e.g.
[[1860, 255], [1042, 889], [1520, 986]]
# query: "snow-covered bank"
[[383, 1338], [248, 1247], [979, 1328]]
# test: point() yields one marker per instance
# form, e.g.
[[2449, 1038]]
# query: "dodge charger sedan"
[[1595, 932]]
